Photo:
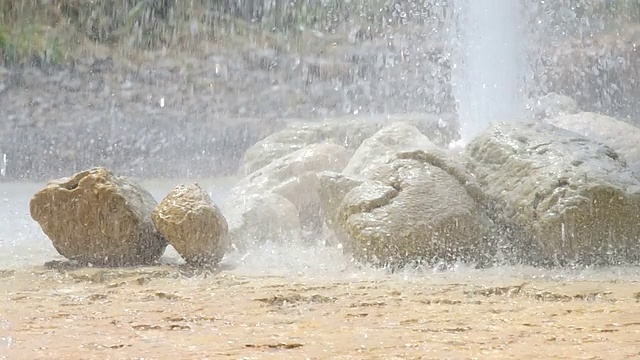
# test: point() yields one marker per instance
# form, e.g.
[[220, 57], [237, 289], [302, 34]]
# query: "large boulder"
[[193, 225], [563, 197], [619, 135], [401, 198], [292, 177], [98, 218], [411, 210], [347, 131], [263, 218]]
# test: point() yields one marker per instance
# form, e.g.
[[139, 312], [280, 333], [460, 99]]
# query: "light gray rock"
[[193, 224], [98, 218], [347, 131], [263, 218], [401, 198], [566, 198], [332, 188], [383, 146], [412, 211], [292, 177]]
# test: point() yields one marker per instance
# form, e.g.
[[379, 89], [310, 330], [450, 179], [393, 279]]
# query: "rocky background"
[[176, 89]]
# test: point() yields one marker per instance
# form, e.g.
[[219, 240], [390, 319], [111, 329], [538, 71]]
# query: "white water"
[[489, 71]]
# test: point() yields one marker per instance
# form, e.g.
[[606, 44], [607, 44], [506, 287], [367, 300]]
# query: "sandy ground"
[[171, 313]]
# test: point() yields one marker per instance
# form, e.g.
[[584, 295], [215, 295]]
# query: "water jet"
[[489, 64]]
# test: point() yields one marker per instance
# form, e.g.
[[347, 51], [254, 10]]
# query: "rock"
[[263, 218], [620, 136], [412, 211], [293, 177], [193, 225], [564, 197], [384, 145], [552, 105], [297, 135], [347, 131], [99, 218], [400, 199], [332, 188], [441, 129]]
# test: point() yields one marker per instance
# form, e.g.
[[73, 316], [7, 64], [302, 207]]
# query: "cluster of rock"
[[98, 218], [563, 187], [559, 189]]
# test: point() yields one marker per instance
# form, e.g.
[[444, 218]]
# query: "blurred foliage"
[[50, 31]]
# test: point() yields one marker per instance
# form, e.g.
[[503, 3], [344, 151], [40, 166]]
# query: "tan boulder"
[[564, 197], [98, 218], [410, 211], [348, 133], [192, 223], [263, 218], [401, 198]]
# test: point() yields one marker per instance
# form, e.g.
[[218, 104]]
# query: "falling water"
[[489, 73]]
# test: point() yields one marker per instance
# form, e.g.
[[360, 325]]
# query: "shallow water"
[[300, 302]]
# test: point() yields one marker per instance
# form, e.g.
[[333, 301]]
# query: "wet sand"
[[172, 313]]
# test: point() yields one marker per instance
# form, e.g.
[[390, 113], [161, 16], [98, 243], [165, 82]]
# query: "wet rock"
[[384, 145], [411, 210], [620, 136], [400, 199], [564, 197], [193, 225], [99, 218], [347, 131], [262, 218], [293, 177], [332, 188]]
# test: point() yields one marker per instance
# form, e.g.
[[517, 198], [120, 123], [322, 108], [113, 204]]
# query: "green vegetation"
[[54, 31]]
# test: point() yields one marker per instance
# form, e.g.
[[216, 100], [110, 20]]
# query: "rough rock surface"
[[293, 177], [382, 146], [412, 210], [401, 199], [623, 137], [346, 131], [263, 218], [192, 223], [99, 218], [564, 197], [332, 188]]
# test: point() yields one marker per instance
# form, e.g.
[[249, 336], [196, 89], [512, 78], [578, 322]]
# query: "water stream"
[[488, 76]]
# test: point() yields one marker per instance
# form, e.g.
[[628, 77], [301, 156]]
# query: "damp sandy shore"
[[172, 313]]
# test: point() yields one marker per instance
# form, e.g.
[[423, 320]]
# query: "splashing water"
[[488, 76]]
